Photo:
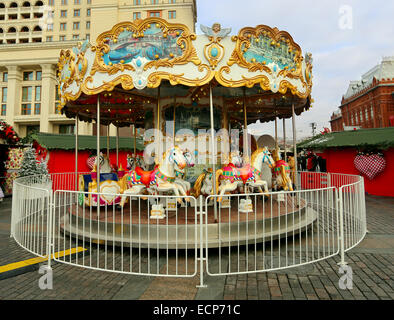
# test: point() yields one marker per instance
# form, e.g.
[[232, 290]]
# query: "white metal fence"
[[323, 217]]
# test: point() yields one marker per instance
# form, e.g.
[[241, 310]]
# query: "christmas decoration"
[[370, 164], [7, 133], [29, 164]]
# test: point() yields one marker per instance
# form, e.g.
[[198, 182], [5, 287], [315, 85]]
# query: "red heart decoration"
[[370, 166]]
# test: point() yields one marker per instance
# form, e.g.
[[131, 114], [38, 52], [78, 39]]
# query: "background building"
[[30, 44], [369, 102]]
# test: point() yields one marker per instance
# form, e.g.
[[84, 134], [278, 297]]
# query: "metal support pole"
[[108, 142], [341, 231], [98, 145], [76, 152], [294, 145], [213, 150], [276, 134], [246, 137], [284, 138], [201, 211], [117, 147], [135, 144], [158, 148], [173, 129]]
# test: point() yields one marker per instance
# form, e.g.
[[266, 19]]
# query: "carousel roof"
[[136, 63]]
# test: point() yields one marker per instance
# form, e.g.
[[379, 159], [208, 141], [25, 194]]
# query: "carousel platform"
[[133, 226]]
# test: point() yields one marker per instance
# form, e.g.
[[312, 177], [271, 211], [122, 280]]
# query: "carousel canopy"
[[135, 64], [67, 142]]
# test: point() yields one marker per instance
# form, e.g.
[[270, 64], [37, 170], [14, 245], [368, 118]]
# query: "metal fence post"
[[341, 232], [49, 226], [201, 258]]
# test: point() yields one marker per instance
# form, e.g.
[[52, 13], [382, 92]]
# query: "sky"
[[346, 38]]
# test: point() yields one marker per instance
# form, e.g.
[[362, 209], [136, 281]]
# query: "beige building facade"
[[32, 33]]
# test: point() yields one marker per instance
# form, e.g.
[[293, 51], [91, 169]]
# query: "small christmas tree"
[[29, 166]]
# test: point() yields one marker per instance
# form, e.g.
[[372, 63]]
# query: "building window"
[[66, 128], [136, 15], [366, 114], [156, 14], [38, 75], [76, 25], [155, 1], [171, 14], [137, 2], [87, 24], [89, 1], [75, 36], [32, 129], [51, 2], [26, 100], [37, 105], [77, 1], [88, 37], [50, 27], [371, 112], [64, 2], [77, 12], [63, 26], [28, 76], [63, 14], [3, 101], [172, 1], [88, 12], [49, 39], [5, 76]]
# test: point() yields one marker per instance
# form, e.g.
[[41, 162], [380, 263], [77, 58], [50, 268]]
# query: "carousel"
[[193, 96]]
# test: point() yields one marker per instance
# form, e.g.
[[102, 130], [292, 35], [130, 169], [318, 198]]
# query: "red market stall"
[[366, 152], [58, 151]]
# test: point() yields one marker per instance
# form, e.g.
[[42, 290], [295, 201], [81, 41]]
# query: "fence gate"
[[127, 239], [257, 233]]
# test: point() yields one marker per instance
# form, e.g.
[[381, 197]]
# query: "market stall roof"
[[67, 142], [380, 138]]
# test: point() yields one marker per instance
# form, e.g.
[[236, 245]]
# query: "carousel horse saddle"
[[244, 173], [145, 176], [103, 177]]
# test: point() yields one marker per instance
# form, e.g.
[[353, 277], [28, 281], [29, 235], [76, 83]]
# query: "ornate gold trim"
[[138, 27]]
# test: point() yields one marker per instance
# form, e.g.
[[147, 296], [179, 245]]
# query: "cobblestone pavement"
[[371, 262]]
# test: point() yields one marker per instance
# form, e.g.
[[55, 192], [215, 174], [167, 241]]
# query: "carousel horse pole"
[[281, 173]]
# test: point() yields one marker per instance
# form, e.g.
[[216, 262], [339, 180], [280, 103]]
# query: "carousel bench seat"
[[109, 185], [87, 178]]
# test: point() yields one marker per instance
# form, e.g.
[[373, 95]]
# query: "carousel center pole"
[[98, 146], [76, 153], [213, 150], [294, 144]]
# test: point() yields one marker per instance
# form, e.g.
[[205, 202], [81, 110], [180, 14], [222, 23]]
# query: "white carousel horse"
[[133, 162], [162, 178], [228, 177], [180, 174], [105, 166]]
